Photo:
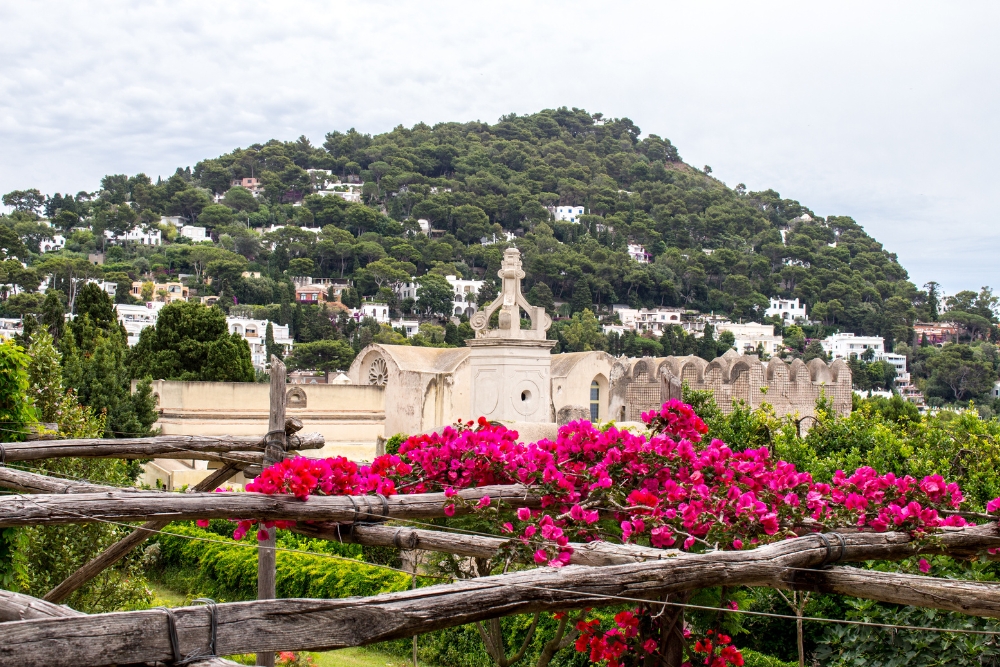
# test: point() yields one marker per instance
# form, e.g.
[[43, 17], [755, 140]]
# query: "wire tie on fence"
[[385, 505], [828, 559], [355, 505], [172, 635], [213, 620], [3, 455]]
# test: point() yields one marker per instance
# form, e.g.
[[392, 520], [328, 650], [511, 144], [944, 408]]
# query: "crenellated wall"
[[791, 388]]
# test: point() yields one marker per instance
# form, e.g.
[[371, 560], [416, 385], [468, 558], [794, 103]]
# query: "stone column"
[[511, 379]]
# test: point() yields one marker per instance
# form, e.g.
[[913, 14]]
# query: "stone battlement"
[[644, 384]]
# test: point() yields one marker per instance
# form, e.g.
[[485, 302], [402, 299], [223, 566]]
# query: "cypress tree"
[[581, 299]]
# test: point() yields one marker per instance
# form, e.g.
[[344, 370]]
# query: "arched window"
[[595, 401]]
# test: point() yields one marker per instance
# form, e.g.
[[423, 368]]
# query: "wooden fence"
[[42, 633]]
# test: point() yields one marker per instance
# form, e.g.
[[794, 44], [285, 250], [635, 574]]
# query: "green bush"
[[221, 568]]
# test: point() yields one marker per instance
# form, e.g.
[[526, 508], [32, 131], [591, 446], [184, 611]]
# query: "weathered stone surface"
[[569, 413]]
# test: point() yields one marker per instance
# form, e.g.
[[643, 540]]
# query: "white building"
[[175, 220], [638, 253], [464, 300], [10, 327], [57, 242], [897, 361], [196, 234], [108, 287], [751, 336], [566, 213], [789, 310], [656, 320], [848, 346], [409, 327], [377, 311], [347, 191], [137, 318], [138, 235], [312, 230], [465, 291], [254, 332], [425, 226]]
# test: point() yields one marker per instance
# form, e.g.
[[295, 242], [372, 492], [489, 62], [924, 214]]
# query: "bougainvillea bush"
[[670, 487]]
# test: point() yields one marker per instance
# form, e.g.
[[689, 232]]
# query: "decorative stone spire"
[[511, 302]]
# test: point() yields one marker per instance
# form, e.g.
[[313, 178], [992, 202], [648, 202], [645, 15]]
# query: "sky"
[[885, 112]]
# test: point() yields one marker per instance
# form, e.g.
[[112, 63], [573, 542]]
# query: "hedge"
[[221, 567]]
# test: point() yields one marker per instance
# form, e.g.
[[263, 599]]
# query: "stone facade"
[[644, 384]]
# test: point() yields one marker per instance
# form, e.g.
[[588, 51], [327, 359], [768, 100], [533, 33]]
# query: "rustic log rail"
[[51, 509], [213, 448], [299, 624]]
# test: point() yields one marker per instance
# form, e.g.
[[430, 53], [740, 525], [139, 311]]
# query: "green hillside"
[[713, 248]]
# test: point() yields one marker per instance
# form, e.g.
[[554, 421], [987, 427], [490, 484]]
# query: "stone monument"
[[511, 365]]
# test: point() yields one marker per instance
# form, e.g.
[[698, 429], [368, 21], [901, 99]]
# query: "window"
[[595, 401]]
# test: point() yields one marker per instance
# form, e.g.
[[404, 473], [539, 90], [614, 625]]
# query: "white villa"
[[849, 346], [566, 213], [254, 332], [656, 320], [751, 335], [638, 253], [137, 318], [137, 235], [789, 310], [465, 291], [196, 234]]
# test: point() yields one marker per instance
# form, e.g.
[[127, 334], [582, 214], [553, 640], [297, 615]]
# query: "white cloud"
[[880, 111]]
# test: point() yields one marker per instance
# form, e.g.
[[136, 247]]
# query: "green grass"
[[359, 657]]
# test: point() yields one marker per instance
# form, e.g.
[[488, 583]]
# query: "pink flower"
[[263, 535], [993, 505], [202, 523], [737, 544], [523, 513], [924, 566], [649, 646], [734, 605], [483, 502], [449, 510], [541, 557]]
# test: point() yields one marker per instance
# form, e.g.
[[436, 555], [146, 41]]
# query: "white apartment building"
[[425, 226], [137, 235], [752, 335], [137, 318], [789, 310], [465, 291], [377, 311], [464, 300], [566, 213], [196, 234], [254, 332], [847, 345], [898, 361], [638, 253]]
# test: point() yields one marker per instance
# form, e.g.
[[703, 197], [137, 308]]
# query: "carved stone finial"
[[510, 302]]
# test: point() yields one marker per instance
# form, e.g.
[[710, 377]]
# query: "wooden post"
[[274, 450], [416, 558]]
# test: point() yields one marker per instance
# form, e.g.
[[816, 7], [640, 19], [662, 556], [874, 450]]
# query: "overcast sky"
[[886, 112]]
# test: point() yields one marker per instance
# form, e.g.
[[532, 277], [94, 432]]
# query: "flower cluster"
[[669, 486], [630, 641]]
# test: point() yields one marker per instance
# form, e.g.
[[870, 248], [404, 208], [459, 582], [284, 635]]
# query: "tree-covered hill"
[[713, 248]]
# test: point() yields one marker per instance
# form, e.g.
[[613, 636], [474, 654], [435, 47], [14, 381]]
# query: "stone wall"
[[350, 417], [791, 388]]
